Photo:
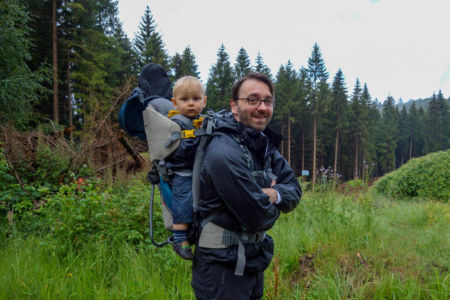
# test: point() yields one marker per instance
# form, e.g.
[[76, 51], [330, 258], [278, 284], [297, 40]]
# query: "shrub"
[[78, 213], [426, 177]]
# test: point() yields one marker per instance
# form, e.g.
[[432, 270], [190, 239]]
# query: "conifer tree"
[[318, 76], [184, 64], [402, 143], [364, 133], [220, 81], [260, 67], [176, 67], [242, 66], [19, 85], [355, 104], [302, 115], [287, 87], [189, 64], [389, 126], [338, 112], [149, 44], [413, 131]]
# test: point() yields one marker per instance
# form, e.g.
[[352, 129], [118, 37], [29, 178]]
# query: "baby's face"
[[189, 102]]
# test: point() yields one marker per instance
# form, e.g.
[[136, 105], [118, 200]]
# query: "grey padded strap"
[[173, 138], [216, 237]]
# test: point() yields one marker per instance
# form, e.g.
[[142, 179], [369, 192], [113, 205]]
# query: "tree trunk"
[[363, 168], [282, 141], [69, 95], [303, 149], [314, 144], [289, 138], [55, 66], [410, 147], [356, 162], [336, 149], [336, 142]]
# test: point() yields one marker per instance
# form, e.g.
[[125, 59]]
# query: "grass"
[[362, 247], [331, 247]]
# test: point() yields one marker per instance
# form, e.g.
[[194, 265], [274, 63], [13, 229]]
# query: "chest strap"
[[216, 237]]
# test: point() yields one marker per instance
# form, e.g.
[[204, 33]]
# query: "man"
[[244, 184]]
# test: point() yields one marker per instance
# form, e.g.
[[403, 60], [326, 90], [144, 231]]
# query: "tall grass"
[[331, 247], [31, 269], [362, 247]]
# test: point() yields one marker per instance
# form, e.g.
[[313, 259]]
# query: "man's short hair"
[[254, 76], [188, 82]]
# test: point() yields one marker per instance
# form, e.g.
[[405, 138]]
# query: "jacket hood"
[[154, 81]]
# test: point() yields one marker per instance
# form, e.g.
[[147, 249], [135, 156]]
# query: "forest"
[[70, 64]]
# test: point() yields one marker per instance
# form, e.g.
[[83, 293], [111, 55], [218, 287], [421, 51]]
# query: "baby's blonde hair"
[[187, 82]]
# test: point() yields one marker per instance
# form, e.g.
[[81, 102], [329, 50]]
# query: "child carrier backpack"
[[145, 115]]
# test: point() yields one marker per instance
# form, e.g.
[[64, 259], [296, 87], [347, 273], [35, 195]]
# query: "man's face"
[[256, 117]]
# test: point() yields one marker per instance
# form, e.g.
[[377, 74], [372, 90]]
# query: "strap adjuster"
[[186, 134]]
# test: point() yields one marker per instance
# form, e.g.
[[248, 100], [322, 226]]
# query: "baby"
[[189, 99]]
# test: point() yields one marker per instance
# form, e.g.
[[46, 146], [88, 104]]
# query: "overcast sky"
[[398, 47]]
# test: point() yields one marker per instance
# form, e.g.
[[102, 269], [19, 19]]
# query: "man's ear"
[[234, 109]]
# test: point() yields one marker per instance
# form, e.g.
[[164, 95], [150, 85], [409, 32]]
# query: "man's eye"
[[252, 100]]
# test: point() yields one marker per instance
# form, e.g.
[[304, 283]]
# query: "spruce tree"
[[19, 86], [220, 81], [364, 132], [413, 132], [356, 109], [149, 44], [242, 66], [338, 112], [184, 64], [260, 67], [176, 67], [402, 142], [389, 125], [318, 76], [287, 97]]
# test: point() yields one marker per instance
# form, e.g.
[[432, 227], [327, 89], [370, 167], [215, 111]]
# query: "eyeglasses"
[[255, 101]]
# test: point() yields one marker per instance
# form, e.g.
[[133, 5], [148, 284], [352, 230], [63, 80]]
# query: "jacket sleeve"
[[227, 172], [286, 184]]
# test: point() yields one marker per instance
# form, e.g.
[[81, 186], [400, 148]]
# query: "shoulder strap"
[[183, 119]]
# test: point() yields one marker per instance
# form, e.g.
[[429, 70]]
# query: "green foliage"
[[16, 198], [242, 66], [260, 67], [331, 247], [149, 44], [184, 65], [81, 212], [19, 86], [220, 81], [356, 183], [425, 177]]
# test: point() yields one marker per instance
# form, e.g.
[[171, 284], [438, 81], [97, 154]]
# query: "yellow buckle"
[[185, 134]]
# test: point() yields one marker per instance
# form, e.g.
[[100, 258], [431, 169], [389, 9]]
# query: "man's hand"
[[271, 192]]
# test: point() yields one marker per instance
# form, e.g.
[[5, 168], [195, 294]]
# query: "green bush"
[[426, 177], [78, 213]]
